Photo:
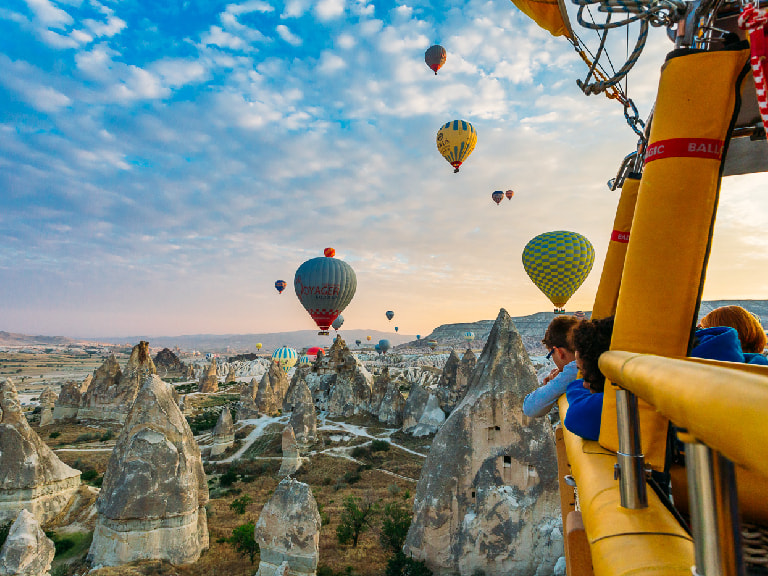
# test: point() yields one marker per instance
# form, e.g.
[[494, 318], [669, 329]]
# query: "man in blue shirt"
[[556, 339]]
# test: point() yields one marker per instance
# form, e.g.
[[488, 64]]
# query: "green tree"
[[356, 518], [401, 565], [239, 504], [243, 541], [394, 526]]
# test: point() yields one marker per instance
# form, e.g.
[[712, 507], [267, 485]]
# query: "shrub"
[[393, 489], [351, 477], [360, 452], [4, 529], [89, 475], [239, 504], [54, 435], [106, 436], [86, 437], [356, 518], [243, 541], [394, 526], [228, 478], [401, 565], [379, 446]]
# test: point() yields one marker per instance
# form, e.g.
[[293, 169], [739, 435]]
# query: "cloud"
[[330, 63], [329, 9], [285, 33], [49, 15]]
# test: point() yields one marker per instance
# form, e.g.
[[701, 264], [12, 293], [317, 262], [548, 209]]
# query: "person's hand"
[[554, 372]]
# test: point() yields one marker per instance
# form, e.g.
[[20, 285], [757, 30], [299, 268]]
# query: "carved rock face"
[[288, 530], [27, 551], [31, 475], [487, 499], [152, 500]]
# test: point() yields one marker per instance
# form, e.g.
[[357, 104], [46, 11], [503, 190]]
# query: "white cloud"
[[345, 41], [329, 9], [111, 27], [218, 37], [48, 14], [285, 33], [251, 6], [330, 63], [32, 85], [295, 8], [177, 72]]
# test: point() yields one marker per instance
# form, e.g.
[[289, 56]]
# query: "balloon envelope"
[[432, 344], [558, 262], [325, 286], [469, 336], [368, 338], [384, 345], [390, 314], [329, 252], [314, 351], [435, 57], [358, 342], [338, 322], [286, 357], [498, 196], [455, 141], [418, 336], [258, 346], [305, 360], [509, 194], [280, 285], [396, 328]]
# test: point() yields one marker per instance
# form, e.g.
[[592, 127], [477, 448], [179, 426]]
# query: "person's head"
[[590, 339], [557, 341], [747, 325]]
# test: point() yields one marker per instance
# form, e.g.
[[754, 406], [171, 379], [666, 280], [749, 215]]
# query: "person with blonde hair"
[[751, 335]]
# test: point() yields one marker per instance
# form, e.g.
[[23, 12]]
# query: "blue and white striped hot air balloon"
[[469, 336], [305, 360], [286, 357]]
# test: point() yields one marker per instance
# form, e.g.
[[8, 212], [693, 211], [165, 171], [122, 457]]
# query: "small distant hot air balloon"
[[286, 357], [469, 336], [418, 336], [384, 346], [498, 196], [558, 262], [435, 57], [314, 351], [376, 347], [329, 252], [509, 194], [358, 342], [338, 322], [396, 328], [305, 360], [455, 141], [580, 315], [258, 346], [432, 344], [368, 338], [280, 286], [325, 286], [390, 314]]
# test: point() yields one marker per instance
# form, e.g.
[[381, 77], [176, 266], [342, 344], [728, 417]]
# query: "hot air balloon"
[[396, 328], [432, 344], [384, 346], [329, 252], [390, 314], [258, 346], [325, 286], [469, 336], [338, 322], [358, 342], [280, 285], [558, 262], [497, 196], [314, 351], [286, 357], [376, 347], [418, 336], [435, 57], [368, 338], [509, 194], [455, 141], [305, 360]]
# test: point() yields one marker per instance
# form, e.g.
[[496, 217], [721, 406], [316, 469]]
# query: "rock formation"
[[296, 387], [303, 416], [392, 406], [414, 407], [487, 499], [288, 530], [291, 458], [152, 501], [271, 391], [209, 381], [231, 376], [27, 551], [168, 365], [378, 391], [431, 419], [68, 402], [223, 433], [246, 408], [31, 476], [112, 391], [454, 381], [47, 401]]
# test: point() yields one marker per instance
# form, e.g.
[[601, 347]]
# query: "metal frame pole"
[[630, 458]]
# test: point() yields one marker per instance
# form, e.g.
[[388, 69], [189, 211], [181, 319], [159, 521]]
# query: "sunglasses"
[[551, 352]]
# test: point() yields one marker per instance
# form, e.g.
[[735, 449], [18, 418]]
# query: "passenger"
[[751, 335], [585, 395], [556, 339]]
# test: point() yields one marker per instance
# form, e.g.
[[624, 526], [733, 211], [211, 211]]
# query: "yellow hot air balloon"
[[549, 14], [558, 262], [455, 141], [258, 346]]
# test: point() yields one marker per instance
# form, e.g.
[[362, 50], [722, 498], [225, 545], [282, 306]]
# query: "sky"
[[163, 163]]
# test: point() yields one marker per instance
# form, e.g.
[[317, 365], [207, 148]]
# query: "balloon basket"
[[323, 333], [559, 310]]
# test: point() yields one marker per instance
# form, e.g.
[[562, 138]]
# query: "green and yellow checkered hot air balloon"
[[558, 262]]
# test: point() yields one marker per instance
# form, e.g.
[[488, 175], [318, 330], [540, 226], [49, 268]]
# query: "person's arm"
[[584, 411], [540, 401]]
